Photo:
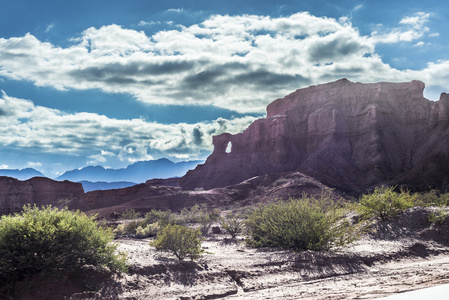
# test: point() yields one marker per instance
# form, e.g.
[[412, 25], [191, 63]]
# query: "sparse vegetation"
[[432, 198], [163, 217], [146, 227], [439, 216], [51, 240], [180, 241], [200, 214], [384, 202], [301, 224], [232, 224], [130, 214], [127, 228], [147, 231]]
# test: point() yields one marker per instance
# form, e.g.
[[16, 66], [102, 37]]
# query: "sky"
[[114, 82]]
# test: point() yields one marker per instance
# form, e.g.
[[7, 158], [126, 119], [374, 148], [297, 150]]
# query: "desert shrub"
[[130, 214], [191, 215], [160, 216], [432, 198], [300, 224], [438, 217], [180, 241], [128, 228], [200, 214], [232, 224], [47, 240], [385, 202], [206, 220], [147, 231], [138, 229]]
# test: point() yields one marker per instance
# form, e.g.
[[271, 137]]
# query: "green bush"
[[303, 224], [146, 227], [46, 240], [130, 214], [432, 198], [128, 228], [232, 224], [147, 231], [438, 217], [193, 214], [385, 202], [162, 217], [180, 241], [200, 214], [206, 220]]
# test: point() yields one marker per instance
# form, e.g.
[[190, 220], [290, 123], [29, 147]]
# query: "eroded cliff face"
[[347, 135], [14, 194]]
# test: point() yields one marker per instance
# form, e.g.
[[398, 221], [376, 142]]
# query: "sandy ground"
[[369, 270], [404, 255]]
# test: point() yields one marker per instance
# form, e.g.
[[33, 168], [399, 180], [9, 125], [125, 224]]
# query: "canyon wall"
[[14, 194], [350, 136]]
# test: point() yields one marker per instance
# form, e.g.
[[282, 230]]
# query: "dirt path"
[[369, 270]]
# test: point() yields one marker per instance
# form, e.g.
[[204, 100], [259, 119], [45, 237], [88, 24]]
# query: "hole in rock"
[[229, 148]]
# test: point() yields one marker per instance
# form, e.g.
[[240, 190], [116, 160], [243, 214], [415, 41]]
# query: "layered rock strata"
[[350, 136], [14, 194]]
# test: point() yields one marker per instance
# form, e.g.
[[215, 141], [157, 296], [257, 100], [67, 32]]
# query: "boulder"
[[349, 136]]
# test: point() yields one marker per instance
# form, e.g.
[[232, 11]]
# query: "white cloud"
[[175, 10], [148, 23], [107, 153], [96, 159], [419, 44], [3, 166], [25, 125], [31, 164], [414, 28], [357, 7], [417, 21], [233, 62], [50, 27]]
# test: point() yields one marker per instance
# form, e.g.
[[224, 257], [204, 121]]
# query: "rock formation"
[[164, 194], [350, 136], [14, 194]]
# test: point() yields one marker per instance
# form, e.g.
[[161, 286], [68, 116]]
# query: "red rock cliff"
[[347, 135], [14, 194]]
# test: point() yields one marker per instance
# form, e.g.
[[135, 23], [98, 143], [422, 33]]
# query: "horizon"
[[111, 83], [96, 166]]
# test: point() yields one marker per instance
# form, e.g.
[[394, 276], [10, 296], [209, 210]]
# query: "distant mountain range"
[[23, 174], [99, 178], [138, 172]]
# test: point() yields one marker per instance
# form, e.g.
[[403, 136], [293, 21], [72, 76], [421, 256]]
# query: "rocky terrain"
[[403, 254], [165, 194], [350, 136]]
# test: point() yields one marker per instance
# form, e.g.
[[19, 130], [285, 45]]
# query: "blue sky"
[[114, 82]]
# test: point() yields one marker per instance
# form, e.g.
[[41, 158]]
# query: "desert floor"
[[402, 255]]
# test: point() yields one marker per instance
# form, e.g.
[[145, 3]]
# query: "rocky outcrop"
[[347, 135], [161, 194], [14, 194]]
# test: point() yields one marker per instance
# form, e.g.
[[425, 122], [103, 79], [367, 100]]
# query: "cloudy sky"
[[114, 82]]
